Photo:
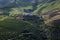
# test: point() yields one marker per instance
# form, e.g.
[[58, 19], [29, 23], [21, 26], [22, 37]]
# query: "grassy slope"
[[8, 24], [48, 7], [11, 24]]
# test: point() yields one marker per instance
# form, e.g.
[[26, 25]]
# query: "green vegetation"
[[12, 24], [12, 28], [45, 7], [15, 11], [15, 29], [18, 28]]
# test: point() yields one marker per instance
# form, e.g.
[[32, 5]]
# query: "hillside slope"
[[47, 6], [51, 16]]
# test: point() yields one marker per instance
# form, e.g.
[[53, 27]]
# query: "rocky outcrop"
[[51, 16]]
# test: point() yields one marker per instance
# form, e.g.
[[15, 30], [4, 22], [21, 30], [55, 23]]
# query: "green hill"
[[47, 6], [12, 24], [9, 24]]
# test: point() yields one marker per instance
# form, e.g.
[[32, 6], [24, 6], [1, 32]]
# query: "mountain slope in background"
[[4, 3]]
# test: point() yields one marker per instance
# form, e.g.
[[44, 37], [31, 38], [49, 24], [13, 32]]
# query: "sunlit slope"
[[45, 7]]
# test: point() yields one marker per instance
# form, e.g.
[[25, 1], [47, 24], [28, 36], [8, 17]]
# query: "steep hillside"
[[51, 16], [47, 6], [43, 5]]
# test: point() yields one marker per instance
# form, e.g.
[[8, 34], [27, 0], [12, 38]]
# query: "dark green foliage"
[[27, 29], [56, 23], [20, 30], [14, 25], [33, 19], [54, 32], [5, 11]]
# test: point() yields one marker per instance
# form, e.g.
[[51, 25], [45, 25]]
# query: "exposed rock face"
[[51, 16], [51, 13]]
